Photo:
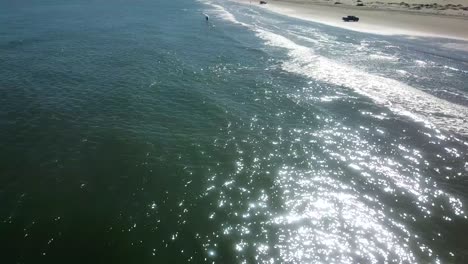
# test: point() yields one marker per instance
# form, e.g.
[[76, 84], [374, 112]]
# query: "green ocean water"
[[137, 132]]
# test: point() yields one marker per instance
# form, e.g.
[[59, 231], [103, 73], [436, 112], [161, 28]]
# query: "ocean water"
[[137, 132]]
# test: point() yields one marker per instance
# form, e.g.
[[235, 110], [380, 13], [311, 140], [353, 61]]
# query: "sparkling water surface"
[[137, 132]]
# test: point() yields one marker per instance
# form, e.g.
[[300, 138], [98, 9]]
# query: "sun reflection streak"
[[337, 225], [349, 202]]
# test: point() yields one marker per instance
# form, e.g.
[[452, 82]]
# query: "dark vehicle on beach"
[[263, 2], [350, 19]]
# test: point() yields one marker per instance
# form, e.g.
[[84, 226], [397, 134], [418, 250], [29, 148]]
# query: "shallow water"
[[139, 133]]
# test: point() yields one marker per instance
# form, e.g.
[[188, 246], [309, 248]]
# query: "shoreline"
[[373, 20]]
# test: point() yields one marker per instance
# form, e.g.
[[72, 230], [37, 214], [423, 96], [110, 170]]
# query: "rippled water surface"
[[136, 132]]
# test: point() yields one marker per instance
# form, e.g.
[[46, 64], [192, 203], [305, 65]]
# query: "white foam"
[[454, 69], [420, 63], [397, 96], [383, 57]]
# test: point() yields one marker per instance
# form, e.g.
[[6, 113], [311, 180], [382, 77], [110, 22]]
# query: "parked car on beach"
[[350, 19]]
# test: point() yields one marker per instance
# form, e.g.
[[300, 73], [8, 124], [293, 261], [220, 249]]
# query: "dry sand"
[[384, 18], [442, 7]]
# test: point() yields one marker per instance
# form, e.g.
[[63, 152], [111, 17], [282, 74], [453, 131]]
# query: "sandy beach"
[[449, 19]]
